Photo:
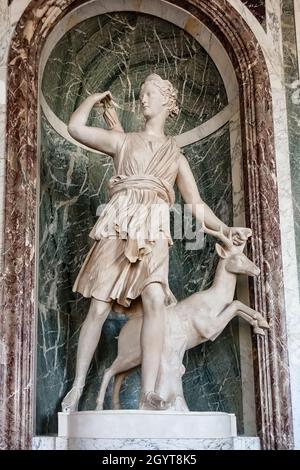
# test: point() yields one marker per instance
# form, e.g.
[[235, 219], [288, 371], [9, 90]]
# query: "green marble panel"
[[117, 52], [73, 184]]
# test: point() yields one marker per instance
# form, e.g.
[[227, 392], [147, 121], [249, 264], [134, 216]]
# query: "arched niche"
[[18, 323], [113, 49]]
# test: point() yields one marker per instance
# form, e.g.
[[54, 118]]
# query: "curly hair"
[[167, 90]]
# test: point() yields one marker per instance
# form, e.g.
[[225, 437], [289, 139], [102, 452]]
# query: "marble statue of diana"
[[129, 260]]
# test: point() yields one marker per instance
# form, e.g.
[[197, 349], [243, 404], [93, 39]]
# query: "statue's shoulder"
[[130, 141], [177, 148], [174, 140], [131, 135]]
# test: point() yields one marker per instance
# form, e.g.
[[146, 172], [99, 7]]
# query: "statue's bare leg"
[[152, 337], [88, 340]]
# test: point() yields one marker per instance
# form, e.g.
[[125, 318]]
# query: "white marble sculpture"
[[128, 262], [192, 321]]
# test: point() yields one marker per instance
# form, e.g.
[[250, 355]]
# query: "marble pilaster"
[[2, 163], [4, 44]]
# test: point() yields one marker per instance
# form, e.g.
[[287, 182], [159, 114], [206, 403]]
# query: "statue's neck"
[[224, 282], [155, 126]]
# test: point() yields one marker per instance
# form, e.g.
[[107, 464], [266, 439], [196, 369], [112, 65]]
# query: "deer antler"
[[219, 234]]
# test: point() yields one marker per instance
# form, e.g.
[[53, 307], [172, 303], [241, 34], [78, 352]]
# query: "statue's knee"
[[153, 299], [154, 307], [98, 311]]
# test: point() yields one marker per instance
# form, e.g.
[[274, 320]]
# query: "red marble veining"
[[17, 321]]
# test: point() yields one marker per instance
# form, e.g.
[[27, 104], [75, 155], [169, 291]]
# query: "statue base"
[[138, 424], [146, 430]]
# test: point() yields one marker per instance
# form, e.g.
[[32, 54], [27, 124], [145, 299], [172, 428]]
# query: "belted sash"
[[148, 182]]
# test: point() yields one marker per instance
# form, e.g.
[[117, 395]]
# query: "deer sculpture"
[[192, 321]]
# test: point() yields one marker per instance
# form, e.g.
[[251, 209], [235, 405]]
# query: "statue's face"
[[152, 101]]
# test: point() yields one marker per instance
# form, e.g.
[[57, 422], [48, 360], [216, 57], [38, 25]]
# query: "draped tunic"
[[132, 235]]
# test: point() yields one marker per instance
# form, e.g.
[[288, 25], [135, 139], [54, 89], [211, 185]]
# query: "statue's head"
[[157, 94]]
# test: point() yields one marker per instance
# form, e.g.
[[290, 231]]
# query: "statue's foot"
[[71, 400], [152, 401]]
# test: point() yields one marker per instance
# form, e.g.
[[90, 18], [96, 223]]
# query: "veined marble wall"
[[116, 52]]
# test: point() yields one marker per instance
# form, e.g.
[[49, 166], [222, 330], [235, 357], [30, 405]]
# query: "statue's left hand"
[[240, 234]]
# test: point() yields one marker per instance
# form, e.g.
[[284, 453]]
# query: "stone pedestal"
[[136, 424], [145, 430]]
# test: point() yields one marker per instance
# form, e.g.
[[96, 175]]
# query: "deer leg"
[[222, 320], [237, 308], [231, 311], [108, 374], [257, 330], [116, 390], [118, 366], [117, 387], [261, 321]]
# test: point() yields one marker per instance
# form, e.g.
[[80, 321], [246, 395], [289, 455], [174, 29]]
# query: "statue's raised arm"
[[107, 141]]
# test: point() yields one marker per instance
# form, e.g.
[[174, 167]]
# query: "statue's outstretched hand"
[[229, 235], [240, 234]]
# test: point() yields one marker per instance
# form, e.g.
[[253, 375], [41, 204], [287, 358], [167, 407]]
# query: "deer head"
[[236, 261]]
